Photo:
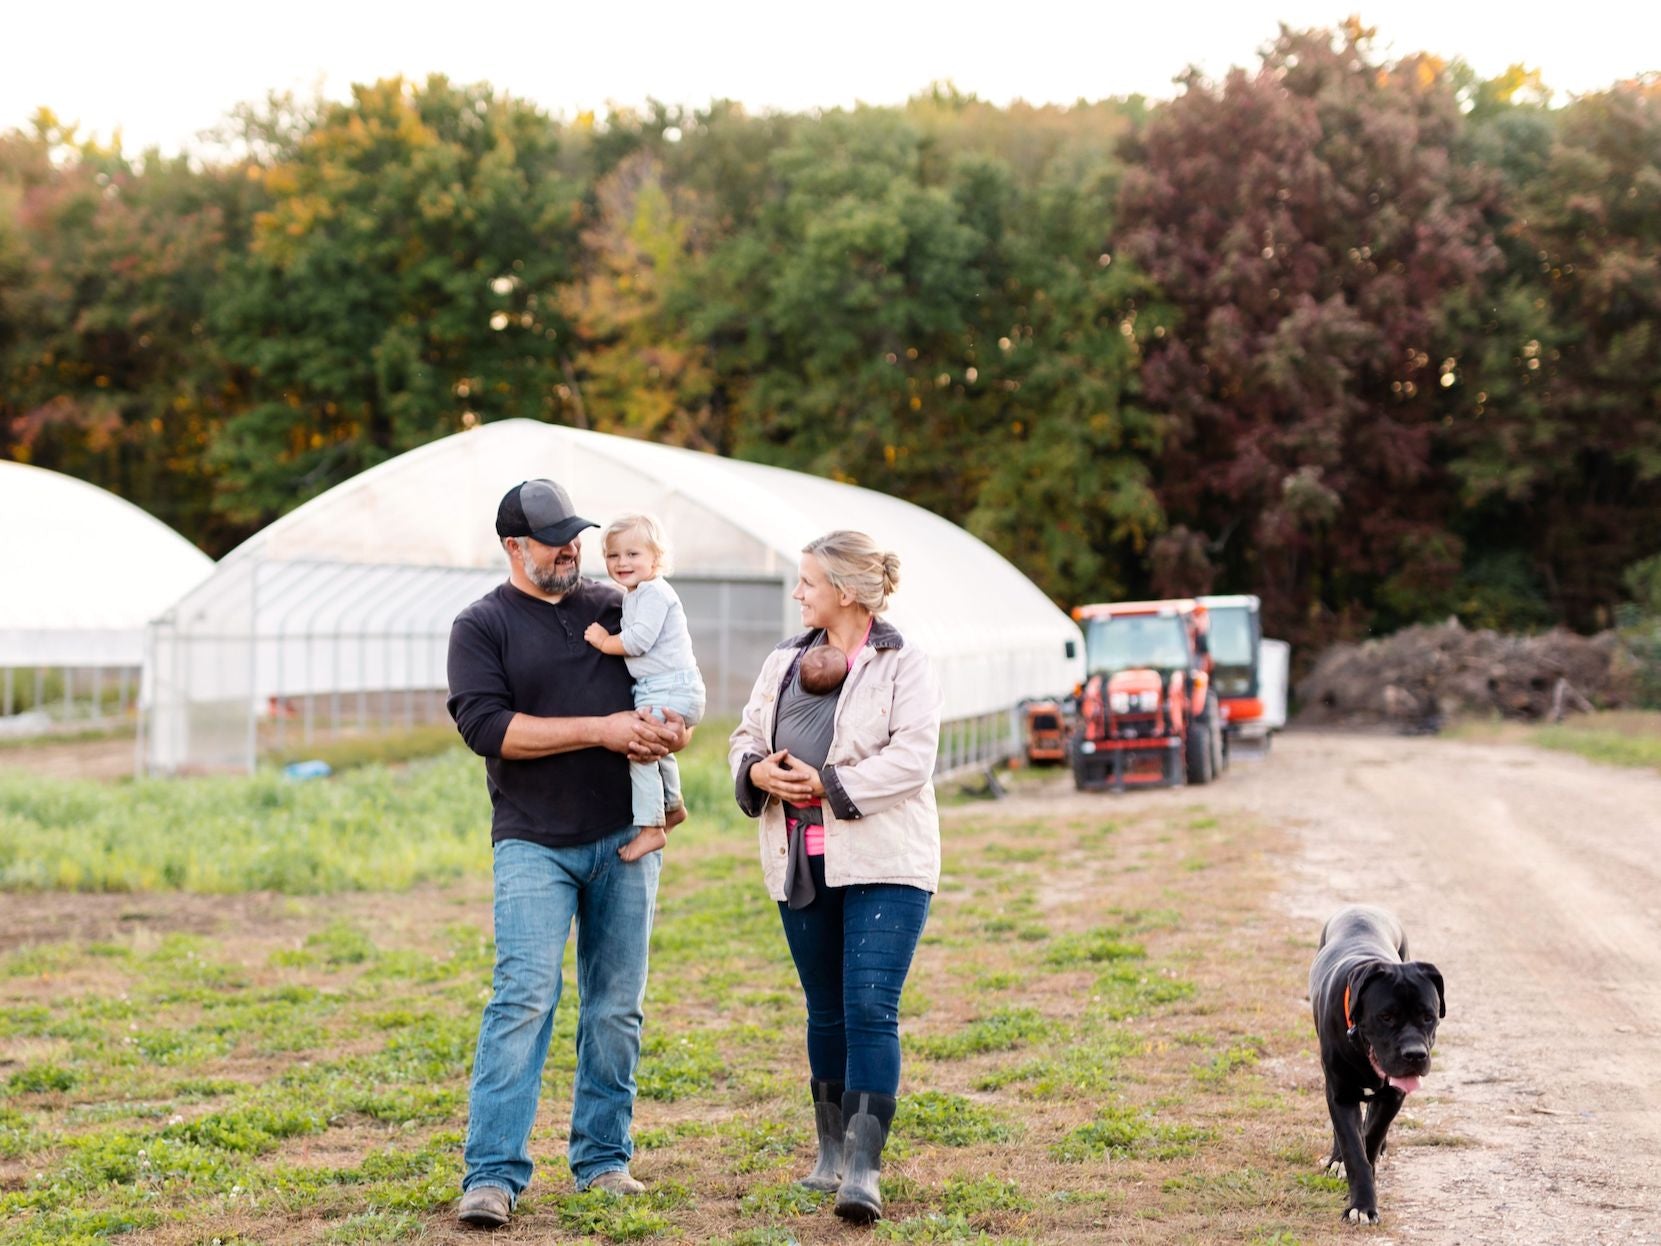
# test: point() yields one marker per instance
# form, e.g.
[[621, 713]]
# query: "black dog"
[[1375, 1014]]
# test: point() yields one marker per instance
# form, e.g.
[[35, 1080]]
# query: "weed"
[[251, 1130], [1123, 1132], [1322, 1182], [998, 1031], [950, 1120], [760, 1147], [676, 1067], [1092, 948], [1247, 1190], [972, 1197], [1003, 981], [653, 1139], [41, 1079], [782, 1199], [17, 1136], [1018, 853], [341, 944], [376, 1226], [1129, 991], [1240, 1055], [1085, 1066], [934, 1228], [769, 1236]]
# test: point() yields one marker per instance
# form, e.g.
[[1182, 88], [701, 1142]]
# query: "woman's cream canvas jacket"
[[881, 824]]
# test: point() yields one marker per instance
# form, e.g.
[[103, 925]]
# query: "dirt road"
[[1533, 880]]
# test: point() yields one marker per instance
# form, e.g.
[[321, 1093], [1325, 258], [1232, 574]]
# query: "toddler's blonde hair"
[[651, 532]]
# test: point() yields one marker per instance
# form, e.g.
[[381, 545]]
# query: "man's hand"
[[596, 635], [639, 737], [677, 737]]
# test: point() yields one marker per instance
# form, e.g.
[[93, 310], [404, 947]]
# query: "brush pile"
[[1423, 676]]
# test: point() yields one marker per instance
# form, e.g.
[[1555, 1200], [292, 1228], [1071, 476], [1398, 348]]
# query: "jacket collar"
[[884, 635]]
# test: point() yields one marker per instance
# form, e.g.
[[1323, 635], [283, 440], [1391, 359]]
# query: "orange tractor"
[[1146, 715], [1044, 728]]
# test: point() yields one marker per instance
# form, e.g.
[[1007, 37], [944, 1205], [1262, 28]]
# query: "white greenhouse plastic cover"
[[994, 636], [82, 571]]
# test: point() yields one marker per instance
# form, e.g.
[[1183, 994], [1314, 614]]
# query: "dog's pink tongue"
[[1407, 1085]]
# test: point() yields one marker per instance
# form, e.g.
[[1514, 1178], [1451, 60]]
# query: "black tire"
[[1219, 738], [1081, 772], [1199, 752]]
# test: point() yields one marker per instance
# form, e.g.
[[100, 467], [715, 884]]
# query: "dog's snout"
[[1416, 1054]]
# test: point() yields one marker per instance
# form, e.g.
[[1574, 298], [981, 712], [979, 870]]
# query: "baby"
[[658, 649], [823, 669]]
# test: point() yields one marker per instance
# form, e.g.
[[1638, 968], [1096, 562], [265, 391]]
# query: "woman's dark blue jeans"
[[853, 948]]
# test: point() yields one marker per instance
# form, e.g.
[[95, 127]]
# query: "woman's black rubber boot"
[[867, 1118], [827, 1119]]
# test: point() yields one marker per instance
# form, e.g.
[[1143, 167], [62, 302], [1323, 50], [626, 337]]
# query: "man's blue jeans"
[[539, 893]]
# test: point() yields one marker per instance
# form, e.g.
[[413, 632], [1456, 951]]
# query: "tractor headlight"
[[1119, 702]]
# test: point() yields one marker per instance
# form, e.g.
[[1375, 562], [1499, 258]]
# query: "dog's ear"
[[1435, 975], [1357, 983]]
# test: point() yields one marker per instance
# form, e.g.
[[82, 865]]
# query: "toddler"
[[658, 649]]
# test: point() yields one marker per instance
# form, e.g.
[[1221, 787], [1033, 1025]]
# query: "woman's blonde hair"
[[855, 566], [651, 532]]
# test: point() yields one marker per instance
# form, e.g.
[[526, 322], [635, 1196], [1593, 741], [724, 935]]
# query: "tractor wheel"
[[1081, 772], [1200, 752]]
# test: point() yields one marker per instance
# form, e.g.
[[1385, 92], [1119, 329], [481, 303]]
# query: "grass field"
[[1104, 1034], [1613, 737]]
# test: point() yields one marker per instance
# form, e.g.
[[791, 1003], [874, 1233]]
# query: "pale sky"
[[164, 71]]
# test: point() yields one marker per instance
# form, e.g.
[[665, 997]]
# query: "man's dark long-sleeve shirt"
[[511, 653]]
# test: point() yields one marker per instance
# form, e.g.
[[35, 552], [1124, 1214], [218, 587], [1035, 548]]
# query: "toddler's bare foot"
[[650, 839], [675, 817]]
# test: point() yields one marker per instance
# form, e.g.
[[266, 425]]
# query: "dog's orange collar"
[[1348, 1024]]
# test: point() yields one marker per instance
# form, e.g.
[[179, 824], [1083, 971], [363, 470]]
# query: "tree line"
[[1376, 340]]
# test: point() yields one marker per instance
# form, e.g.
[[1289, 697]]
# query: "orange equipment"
[[1147, 714], [1248, 672], [1046, 740]]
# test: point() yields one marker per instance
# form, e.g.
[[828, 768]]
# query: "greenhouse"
[[83, 572], [336, 618]]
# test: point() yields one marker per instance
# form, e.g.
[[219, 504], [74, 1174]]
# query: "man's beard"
[[552, 580]]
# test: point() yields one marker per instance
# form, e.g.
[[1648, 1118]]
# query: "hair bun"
[[890, 573]]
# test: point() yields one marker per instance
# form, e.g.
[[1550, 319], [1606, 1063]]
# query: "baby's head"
[[635, 549], [823, 669]]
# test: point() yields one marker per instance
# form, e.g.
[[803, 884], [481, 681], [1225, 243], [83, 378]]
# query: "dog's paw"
[[1360, 1215], [1333, 1166]]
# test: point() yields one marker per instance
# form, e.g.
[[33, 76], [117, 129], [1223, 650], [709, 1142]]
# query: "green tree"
[[403, 284], [909, 311], [640, 373], [1557, 426], [106, 270]]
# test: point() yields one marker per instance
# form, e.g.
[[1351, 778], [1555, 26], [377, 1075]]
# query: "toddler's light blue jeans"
[[657, 784]]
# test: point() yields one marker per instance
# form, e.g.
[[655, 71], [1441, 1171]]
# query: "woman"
[[850, 843]]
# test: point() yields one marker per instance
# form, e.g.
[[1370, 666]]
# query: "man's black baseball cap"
[[540, 509]]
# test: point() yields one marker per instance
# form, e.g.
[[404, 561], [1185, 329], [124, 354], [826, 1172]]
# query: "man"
[[554, 719]]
